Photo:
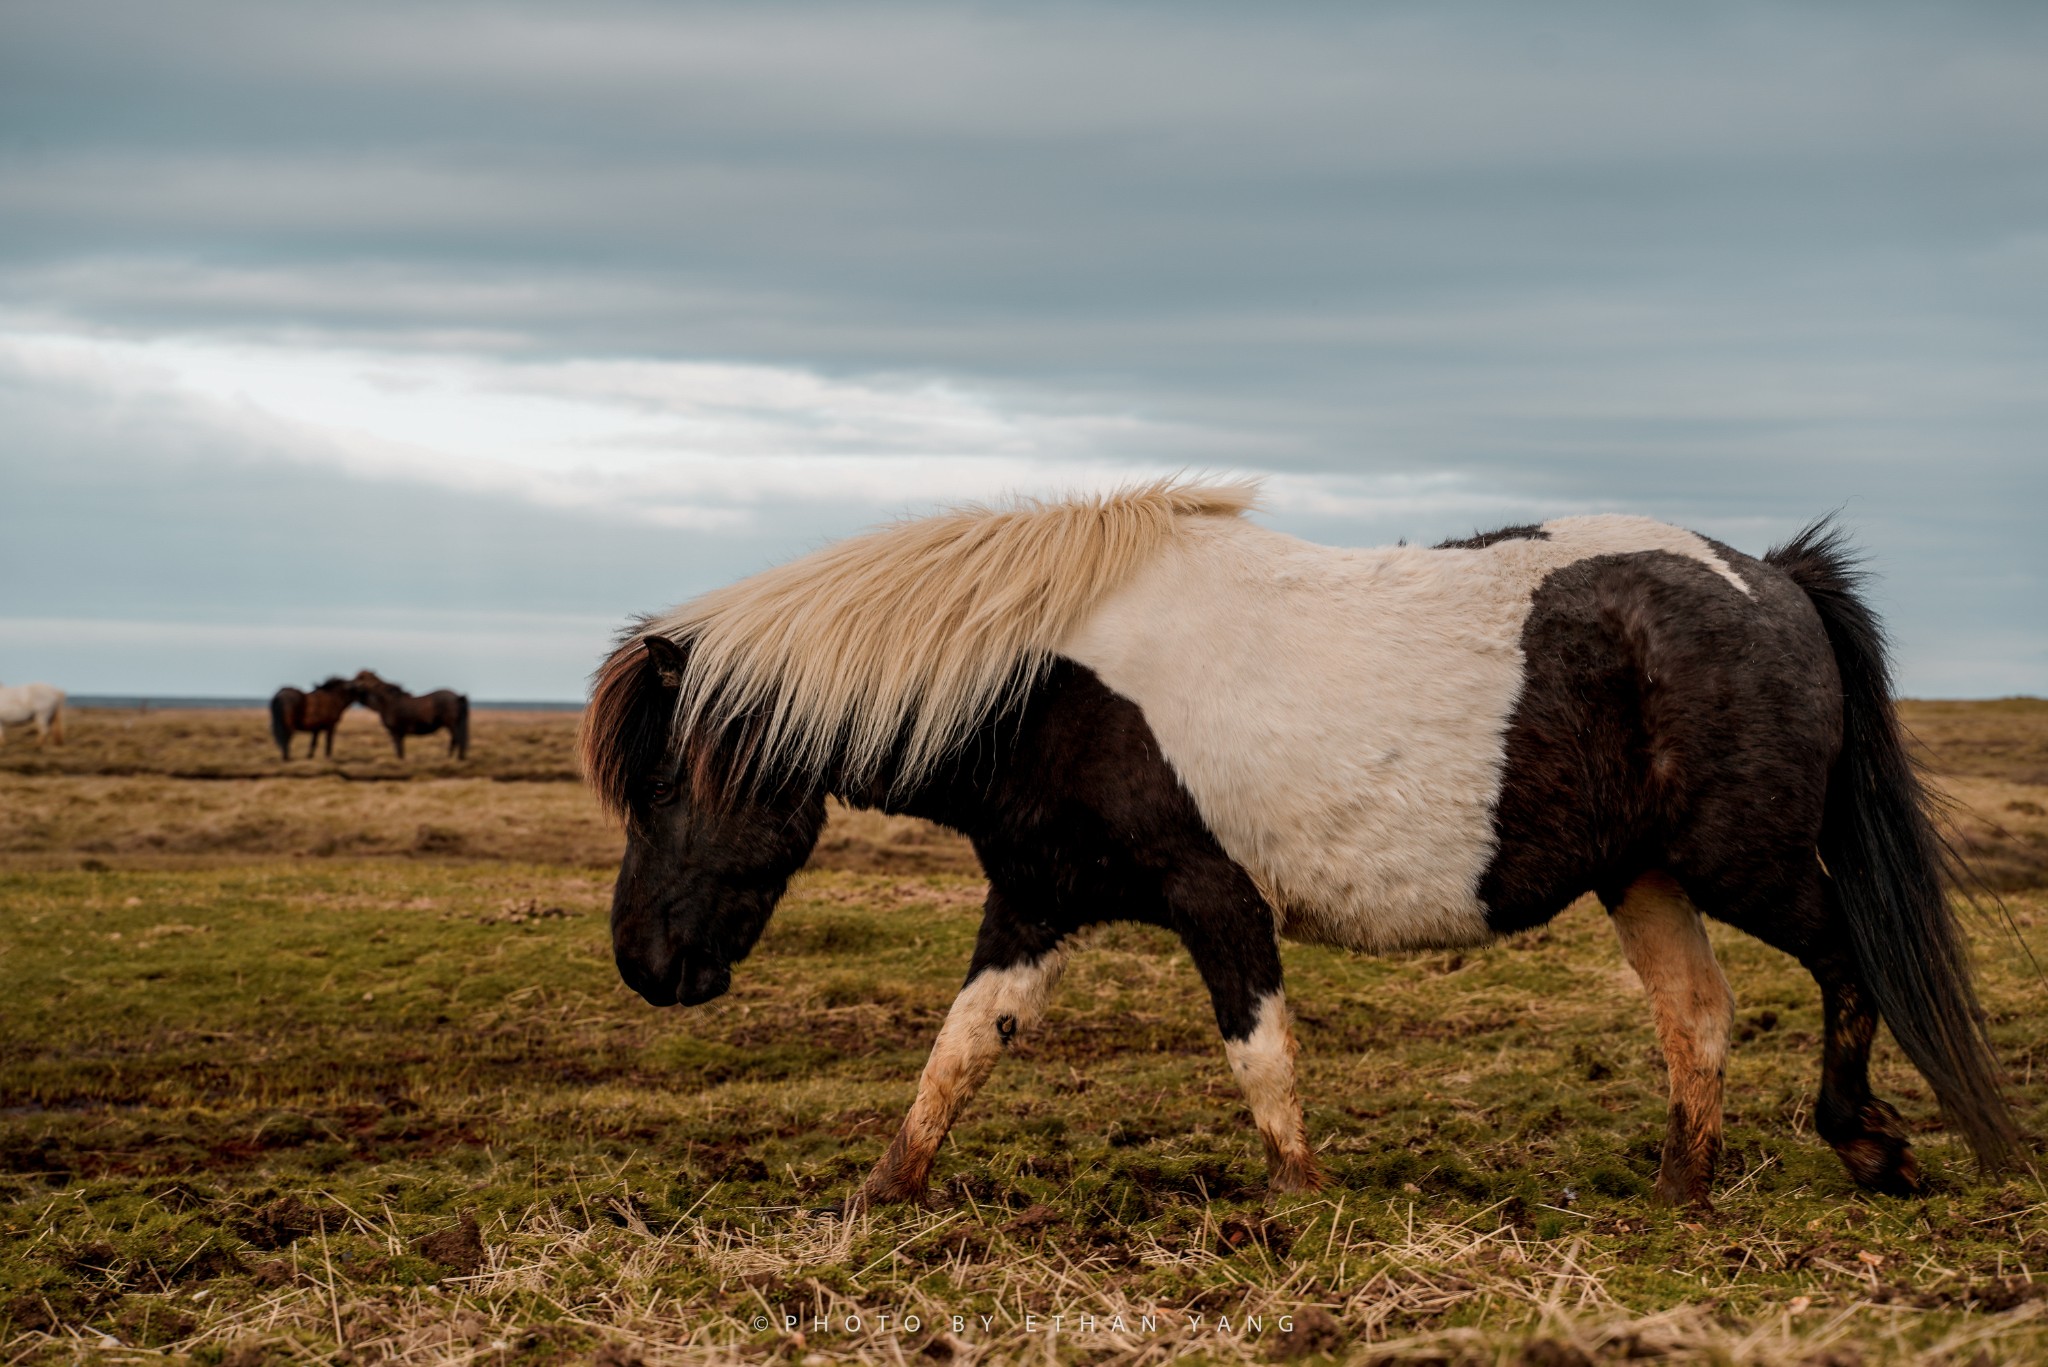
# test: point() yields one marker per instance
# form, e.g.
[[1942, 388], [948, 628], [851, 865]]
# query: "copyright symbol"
[[760, 1323]]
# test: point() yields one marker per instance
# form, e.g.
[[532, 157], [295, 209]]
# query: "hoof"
[[1883, 1163], [1683, 1193], [1295, 1176], [1879, 1156]]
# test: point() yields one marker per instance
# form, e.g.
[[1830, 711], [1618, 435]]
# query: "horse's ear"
[[667, 658]]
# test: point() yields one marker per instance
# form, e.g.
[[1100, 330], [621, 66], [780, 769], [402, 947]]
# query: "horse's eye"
[[661, 792]]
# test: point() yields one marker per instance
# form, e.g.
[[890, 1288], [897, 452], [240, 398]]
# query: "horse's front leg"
[[1008, 986], [1228, 930]]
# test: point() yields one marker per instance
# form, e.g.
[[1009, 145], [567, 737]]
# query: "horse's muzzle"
[[702, 983], [687, 983]]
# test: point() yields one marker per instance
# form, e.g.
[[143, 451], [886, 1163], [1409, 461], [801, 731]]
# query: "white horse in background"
[[38, 703]]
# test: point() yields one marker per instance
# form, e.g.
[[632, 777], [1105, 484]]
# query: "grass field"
[[335, 1068]]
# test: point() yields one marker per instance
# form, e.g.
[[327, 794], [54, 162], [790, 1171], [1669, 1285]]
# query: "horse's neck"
[[936, 798]]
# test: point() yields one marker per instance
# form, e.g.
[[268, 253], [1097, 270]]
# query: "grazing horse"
[[1147, 707], [37, 702], [406, 715], [318, 712]]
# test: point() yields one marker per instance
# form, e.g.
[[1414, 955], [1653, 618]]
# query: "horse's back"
[[37, 702], [1343, 718]]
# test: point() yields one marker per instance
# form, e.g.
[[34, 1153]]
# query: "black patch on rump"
[[1668, 722], [1479, 541]]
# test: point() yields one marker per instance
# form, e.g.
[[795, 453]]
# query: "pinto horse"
[[39, 703], [1146, 707], [405, 715], [319, 711]]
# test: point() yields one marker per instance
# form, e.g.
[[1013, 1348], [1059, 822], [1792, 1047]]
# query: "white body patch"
[[1339, 715]]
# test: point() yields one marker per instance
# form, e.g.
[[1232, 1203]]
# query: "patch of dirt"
[[524, 911], [460, 1250], [1239, 1232], [151, 1324], [1316, 1331], [278, 1224], [1032, 1220]]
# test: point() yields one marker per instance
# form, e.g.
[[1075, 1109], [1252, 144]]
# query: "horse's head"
[[709, 846], [367, 685]]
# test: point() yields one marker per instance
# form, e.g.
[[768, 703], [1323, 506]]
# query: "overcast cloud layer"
[[440, 339]]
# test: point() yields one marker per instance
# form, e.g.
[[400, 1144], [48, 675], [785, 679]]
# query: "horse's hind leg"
[[1666, 944], [1866, 1133], [1007, 990], [1805, 921]]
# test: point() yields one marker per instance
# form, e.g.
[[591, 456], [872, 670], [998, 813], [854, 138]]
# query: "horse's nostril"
[[703, 983], [656, 987]]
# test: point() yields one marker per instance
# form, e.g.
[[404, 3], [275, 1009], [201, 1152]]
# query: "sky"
[[440, 338]]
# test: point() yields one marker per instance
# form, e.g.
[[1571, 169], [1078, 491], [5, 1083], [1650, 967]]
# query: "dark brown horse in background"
[[317, 712], [405, 715]]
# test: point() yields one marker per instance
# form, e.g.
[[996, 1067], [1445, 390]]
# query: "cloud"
[[528, 308], [678, 444]]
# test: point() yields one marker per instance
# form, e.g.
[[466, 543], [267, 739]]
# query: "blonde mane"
[[895, 644]]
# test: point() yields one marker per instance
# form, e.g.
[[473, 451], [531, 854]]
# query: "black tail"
[[280, 725], [459, 732], [1889, 864]]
